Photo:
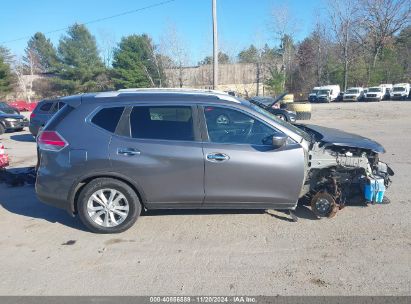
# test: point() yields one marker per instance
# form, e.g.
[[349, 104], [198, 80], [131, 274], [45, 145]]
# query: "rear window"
[[108, 118], [46, 106], [162, 122]]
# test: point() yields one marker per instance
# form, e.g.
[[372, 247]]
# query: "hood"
[[334, 137], [267, 100], [15, 116]]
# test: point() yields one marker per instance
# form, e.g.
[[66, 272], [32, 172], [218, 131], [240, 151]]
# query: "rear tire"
[[2, 129], [114, 217]]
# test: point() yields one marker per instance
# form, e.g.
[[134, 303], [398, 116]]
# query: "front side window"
[[162, 122], [231, 126]]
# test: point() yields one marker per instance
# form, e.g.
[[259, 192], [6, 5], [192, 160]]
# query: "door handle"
[[128, 151], [217, 157]]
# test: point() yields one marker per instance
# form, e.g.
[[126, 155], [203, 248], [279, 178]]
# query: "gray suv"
[[106, 156]]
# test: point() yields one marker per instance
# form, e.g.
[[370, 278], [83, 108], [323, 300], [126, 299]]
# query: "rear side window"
[[162, 122], [108, 118], [46, 106]]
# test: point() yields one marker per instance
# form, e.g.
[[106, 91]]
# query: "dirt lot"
[[362, 251]]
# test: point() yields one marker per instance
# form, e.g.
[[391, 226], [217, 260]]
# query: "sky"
[[240, 22]]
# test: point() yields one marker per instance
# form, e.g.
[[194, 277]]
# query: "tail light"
[[51, 140], [32, 115]]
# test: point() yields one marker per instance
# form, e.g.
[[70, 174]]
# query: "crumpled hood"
[[334, 137]]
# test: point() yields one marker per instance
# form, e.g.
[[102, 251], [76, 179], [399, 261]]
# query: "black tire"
[[282, 117], [108, 183], [2, 129], [303, 115], [19, 129]]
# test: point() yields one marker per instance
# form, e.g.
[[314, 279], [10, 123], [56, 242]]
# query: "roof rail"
[[220, 94]]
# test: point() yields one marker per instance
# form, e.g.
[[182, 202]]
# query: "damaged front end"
[[343, 168]]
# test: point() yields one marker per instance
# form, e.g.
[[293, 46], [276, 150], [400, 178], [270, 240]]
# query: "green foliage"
[[275, 82], [40, 54], [6, 77], [223, 58], [80, 67], [249, 55], [135, 63]]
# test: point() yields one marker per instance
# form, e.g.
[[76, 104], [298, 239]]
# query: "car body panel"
[[253, 176]]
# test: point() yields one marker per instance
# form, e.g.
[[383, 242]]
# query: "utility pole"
[[215, 46]]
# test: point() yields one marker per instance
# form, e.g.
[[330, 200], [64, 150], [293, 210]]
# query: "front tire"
[[107, 205], [2, 129]]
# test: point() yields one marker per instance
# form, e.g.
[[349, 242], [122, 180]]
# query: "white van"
[[375, 94], [312, 97], [400, 91], [353, 94], [328, 93]]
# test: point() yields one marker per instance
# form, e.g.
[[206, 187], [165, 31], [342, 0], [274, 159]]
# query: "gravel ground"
[[362, 251]]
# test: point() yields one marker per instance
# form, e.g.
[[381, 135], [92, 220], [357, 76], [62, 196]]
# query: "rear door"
[[242, 170], [161, 151]]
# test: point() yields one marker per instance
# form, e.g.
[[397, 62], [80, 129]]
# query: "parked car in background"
[[353, 94], [23, 105], [312, 97], [400, 91], [375, 94], [6, 108], [44, 110], [106, 156], [328, 93], [272, 105], [12, 122]]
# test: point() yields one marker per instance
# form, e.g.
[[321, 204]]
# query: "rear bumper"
[[50, 190]]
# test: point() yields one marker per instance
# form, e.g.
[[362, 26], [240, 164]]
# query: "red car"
[[23, 105]]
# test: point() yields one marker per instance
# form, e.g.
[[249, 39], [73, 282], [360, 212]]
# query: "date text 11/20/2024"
[[205, 299]]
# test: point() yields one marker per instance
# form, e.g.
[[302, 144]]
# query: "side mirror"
[[278, 141]]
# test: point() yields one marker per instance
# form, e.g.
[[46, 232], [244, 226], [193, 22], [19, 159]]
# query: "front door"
[[242, 170], [163, 155]]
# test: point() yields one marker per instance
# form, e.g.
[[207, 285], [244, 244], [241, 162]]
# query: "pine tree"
[[40, 55], [135, 63], [80, 66], [6, 76]]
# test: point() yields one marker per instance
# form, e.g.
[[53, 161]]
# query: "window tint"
[[231, 126], [58, 106], [108, 118], [46, 106], [162, 122]]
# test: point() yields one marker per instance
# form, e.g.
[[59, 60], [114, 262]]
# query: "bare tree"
[[174, 56], [107, 44], [25, 74], [381, 19], [344, 18], [284, 27]]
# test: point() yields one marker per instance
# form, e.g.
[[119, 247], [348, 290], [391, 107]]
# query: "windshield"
[[323, 92], [352, 91], [314, 92], [281, 122], [399, 89], [374, 90]]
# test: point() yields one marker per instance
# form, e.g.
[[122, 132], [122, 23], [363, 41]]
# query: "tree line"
[[357, 43]]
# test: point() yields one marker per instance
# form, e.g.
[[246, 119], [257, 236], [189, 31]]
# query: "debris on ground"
[[18, 177]]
